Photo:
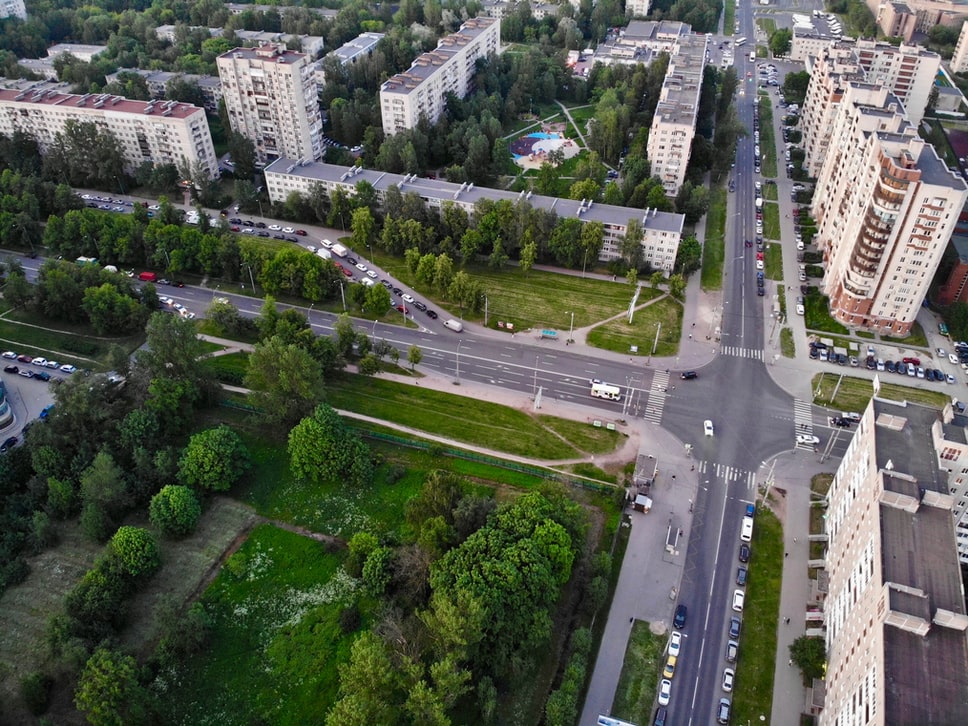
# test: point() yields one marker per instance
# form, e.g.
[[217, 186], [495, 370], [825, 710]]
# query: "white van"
[[747, 534], [456, 325]]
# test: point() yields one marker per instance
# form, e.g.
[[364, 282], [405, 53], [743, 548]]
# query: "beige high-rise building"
[[637, 8], [422, 89], [159, 132], [897, 649], [959, 61], [674, 123], [829, 75], [885, 206], [13, 8], [270, 95]]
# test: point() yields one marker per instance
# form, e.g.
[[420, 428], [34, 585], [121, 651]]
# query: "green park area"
[[655, 330]]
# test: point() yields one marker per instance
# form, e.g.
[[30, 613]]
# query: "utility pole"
[[571, 329], [534, 393], [485, 311], [457, 380]]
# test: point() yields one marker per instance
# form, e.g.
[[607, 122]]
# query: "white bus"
[[606, 390], [740, 41]]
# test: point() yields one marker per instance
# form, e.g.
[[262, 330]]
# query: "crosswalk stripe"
[[727, 472], [655, 402], [739, 352]]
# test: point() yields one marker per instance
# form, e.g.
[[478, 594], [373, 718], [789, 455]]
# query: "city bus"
[[606, 390], [740, 41]]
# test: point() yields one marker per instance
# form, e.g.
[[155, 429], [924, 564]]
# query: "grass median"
[[636, 691], [853, 394], [714, 246], [619, 335], [771, 221]]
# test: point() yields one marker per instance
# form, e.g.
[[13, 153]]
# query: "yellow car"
[[670, 667]]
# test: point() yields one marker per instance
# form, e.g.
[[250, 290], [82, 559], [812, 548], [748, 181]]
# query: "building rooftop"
[[438, 189], [76, 49], [652, 30], [360, 44], [103, 101], [266, 53], [239, 8]]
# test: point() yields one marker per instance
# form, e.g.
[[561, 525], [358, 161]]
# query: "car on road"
[[26, 373], [67, 368], [42, 375], [800, 309], [261, 225], [263, 234], [164, 300], [396, 291], [732, 650], [688, 375], [661, 715], [371, 274], [11, 369], [352, 261], [8, 444], [670, 667], [665, 692], [361, 267], [841, 422], [741, 575], [288, 230], [407, 297], [722, 713], [432, 314], [24, 358], [10, 355], [420, 306], [301, 232], [403, 309], [675, 643], [275, 227], [679, 620], [739, 598], [729, 675], [735, 625], [807, 439], [744, 553], [707, 428], [39, 362]]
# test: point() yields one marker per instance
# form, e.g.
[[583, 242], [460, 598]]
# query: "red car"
[[912, 361], [301, 232], [759, 255], [346, 272], [235, 228], [403, 309]]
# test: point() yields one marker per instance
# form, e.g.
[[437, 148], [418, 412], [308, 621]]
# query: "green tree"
[[656, 279], [632, 277], [345, 334], [173, 350], [443, 272], [103, 496], [112, 312], [677, 285], [529, 253], [378, 301], [321, 449], [412, 257], [689, 256], [780, 41], [378, 571], [367, 685], [810, 655], [136, 551], [363, 226], [175, 510], [287, 379], [414, 356], [214, 459], [108, 692]]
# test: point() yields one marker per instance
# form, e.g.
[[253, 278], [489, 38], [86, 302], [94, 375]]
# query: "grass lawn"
[[761, 614], [773, 259], [770, 193], [639, 682], [729, 17], [767, 139], [276, 643], [866, 334], [817, 315], [538, 299], [787, 347], [618, 335], [853, 394], [207, 327], [230, 368], [714, 246], [768, 25], [771, 221], [465, 419], [916, 339]]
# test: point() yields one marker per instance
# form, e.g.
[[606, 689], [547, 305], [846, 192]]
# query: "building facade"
[[80, 51], [13, 9], [421, 90], [661, 231], [637, 8], [959, 60], [157, 82], [886, 206], [350, 53], [674, 123], [897, 650], [270, 95], [157, 132], [955, 287]]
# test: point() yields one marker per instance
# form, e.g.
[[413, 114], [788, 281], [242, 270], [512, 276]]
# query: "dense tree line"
[[702, 15]]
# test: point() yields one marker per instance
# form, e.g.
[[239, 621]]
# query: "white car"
[[166, 300], [371, 274], [9, 354], [800, 310], [178, 306], [39, 362], [275, 227], [739, 597], [311, 248], [361, 267], [953, 358], [707, 427], [941, 352], [807, 439], [154, 207], [675, 643], [288, 230], [67, 368], [759, 264], [407, 297], [665, 692], [53, 364], [728, 676]]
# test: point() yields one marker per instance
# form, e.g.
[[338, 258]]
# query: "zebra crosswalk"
[[803, 421], [728, 473], [739, 352], [655, 401]]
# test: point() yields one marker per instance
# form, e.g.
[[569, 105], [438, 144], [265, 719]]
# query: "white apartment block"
[[674, 123], [908, 72], [959, 60], [897, 649], [80, 51], [13, 8], [157, 132], [350, 53], [886, 206], [422, 89], [270, 95], [637, 8], [662, 231], [949, 436], [640, 42]]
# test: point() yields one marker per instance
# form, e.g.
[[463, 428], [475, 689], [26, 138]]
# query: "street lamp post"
[[535, 384], [571, 328], [457, 379], [485, 311]]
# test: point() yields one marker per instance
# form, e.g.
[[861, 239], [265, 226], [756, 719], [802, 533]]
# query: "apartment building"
[[270, 95], [905, 19], [674, 123], [886, 206], [949, 437], [637, 8], [13, 9], [422, 89], [81, 51], [157, 82], [662, 231], [350, 53], [640, 42], [908, 72], [955, 287], [897, 651], [154, 131], [959, 60]]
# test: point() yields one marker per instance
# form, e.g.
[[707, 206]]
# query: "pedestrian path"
[[738, 352], [728, 473], [803, 420], [655, 402]]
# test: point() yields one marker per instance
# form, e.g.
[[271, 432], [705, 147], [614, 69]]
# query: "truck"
[[606, 391], [339, 250]]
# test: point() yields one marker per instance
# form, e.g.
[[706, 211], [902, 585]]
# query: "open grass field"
[[853, 394], [773, 261], [729, 17], [276, 644], [639, 682], [537, 299], [753, 694], [24, 609], [618, 335], [470, 420], [184, 565], [714, 246], [770, 193], [771, 221]]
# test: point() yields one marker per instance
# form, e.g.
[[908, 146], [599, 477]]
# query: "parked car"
[[665, 692], [679, 621], [42, 375], [732, 650], [739, 599], [10, 355], [744, 553], [729, 675], [11, 369], [8, 444], [735, 625], [675, 643], [722, 712], [741, 575]]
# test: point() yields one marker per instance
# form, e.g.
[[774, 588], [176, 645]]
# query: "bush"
[[136, 551], [35, 690], [175, 510], [349, 619], [214, 459]]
